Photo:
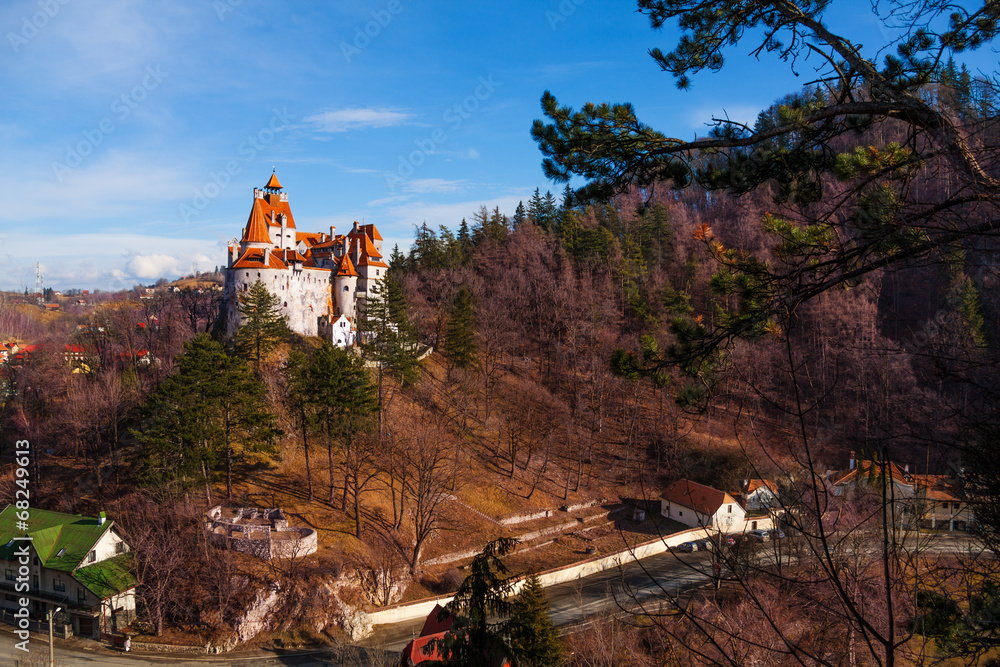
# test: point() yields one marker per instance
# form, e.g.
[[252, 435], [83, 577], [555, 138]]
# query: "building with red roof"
[[321, 280], [697, 505]]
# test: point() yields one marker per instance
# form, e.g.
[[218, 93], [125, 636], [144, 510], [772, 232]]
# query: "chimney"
[[331, 231], [284, 230], [101, 518], [267, 257], [852, 461]]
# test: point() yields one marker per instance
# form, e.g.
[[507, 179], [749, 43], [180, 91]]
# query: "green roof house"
[[78, 563]]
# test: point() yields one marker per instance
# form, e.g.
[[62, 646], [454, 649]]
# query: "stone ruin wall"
[[263, 533]]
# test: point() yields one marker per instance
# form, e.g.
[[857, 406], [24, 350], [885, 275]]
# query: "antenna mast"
[[39, 283]]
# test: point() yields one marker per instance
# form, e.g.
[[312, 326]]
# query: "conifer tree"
[[533, 637], [211, 414], [343, 396], [397, 260], [263, 326], [298, 397], [388, 338], [520, 215], [460, 334], [474, 640]]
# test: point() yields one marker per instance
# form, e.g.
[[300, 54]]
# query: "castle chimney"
[[267, 257], [331, 231], [851, 463], [284, 231]]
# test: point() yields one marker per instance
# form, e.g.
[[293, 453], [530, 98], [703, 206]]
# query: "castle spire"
[[272, 184], [256, 230]]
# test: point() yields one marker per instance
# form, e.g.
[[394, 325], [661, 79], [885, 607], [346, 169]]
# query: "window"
[[81, 595], [62, 552], [59, 585], [346, 288], [8, 574], [680, 513], [10, 598], [92, 556], [729, 509], [34, 582], [944, 506], [119, 547]]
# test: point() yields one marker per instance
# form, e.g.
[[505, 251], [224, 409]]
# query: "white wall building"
[[319, 278]]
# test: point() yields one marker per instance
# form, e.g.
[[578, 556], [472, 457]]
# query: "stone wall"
[[263, 533], [304, 296]]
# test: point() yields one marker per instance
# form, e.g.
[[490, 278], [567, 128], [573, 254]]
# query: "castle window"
[[346, 288], [286, 304], [248, 274]]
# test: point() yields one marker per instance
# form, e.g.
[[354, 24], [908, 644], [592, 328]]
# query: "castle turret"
[[345, 283], [255, 234]]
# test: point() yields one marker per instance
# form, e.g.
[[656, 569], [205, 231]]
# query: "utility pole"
[[52, 657]]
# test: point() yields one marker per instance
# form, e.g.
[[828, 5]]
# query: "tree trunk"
[[305, 447]]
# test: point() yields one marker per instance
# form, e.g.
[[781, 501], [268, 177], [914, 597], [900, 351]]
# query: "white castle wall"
[[303, 296]]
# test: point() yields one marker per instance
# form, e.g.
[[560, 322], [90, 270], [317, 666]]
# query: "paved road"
[[570, 603]]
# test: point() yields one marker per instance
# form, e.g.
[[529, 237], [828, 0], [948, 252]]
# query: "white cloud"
[[151, 266], [358, 118], [105, 260]]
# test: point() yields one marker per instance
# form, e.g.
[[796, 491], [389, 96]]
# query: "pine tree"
[[263, 326], [533, 637], [298, 397], [465, 241], [520, 215], [397, 260], [343, 396], [473, 640], [388, 337], [460, 334], [211, 414]]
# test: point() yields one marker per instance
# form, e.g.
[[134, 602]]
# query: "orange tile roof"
[[937, 487], [868, 468], [701, 498], [289, 255], [758, 483], [346, 266], [256, 229], [272, 205], [370, 231], [311, 238], [273, 182], [253, 258]]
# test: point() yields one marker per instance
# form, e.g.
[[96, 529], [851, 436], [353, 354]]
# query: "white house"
[[76, 563], [760, 494], [697, 505]]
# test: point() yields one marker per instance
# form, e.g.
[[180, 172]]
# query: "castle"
[[321, 280]]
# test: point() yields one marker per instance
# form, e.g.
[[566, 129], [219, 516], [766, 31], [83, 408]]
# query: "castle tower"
[[345, 284], [316, 279]]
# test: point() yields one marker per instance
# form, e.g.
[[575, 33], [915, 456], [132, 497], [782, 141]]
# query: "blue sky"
[[135, 131]]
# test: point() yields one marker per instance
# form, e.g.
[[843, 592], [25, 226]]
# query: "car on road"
[[777, 534], [687, 547], [759, 535]]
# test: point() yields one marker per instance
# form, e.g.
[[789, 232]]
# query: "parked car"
[[777, 534], [759, 535], [688, 547], [728, 540]]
